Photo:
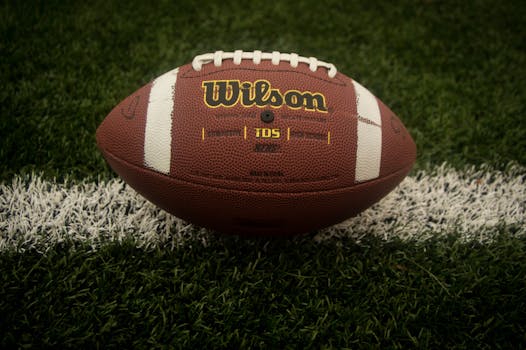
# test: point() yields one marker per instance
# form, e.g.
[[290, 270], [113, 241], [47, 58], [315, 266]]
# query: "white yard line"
[[474, 203]]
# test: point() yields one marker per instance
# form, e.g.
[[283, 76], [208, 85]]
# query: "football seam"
[[405, 169]]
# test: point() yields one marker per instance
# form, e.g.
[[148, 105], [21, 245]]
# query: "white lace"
[[256, 57]]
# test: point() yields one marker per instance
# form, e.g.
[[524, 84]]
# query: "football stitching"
[[187, 74]]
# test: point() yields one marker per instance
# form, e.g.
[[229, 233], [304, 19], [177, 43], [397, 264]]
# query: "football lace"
[[257, 56]]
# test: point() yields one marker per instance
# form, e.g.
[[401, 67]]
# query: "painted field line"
[[474, 203]]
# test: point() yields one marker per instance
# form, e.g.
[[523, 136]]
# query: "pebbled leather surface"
[[254, 213], [220, 178]]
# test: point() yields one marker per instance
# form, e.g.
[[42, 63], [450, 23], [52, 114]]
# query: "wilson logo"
[[228, 93]]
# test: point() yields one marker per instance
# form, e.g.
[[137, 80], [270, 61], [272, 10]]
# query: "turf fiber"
[[453, 71], [279, 294]]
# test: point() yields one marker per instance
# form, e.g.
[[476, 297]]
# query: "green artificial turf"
[[453, 71], [237, 293]]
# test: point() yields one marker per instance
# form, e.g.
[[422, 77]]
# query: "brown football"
[[257, 143]]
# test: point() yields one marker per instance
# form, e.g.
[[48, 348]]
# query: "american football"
[[257, 143]]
